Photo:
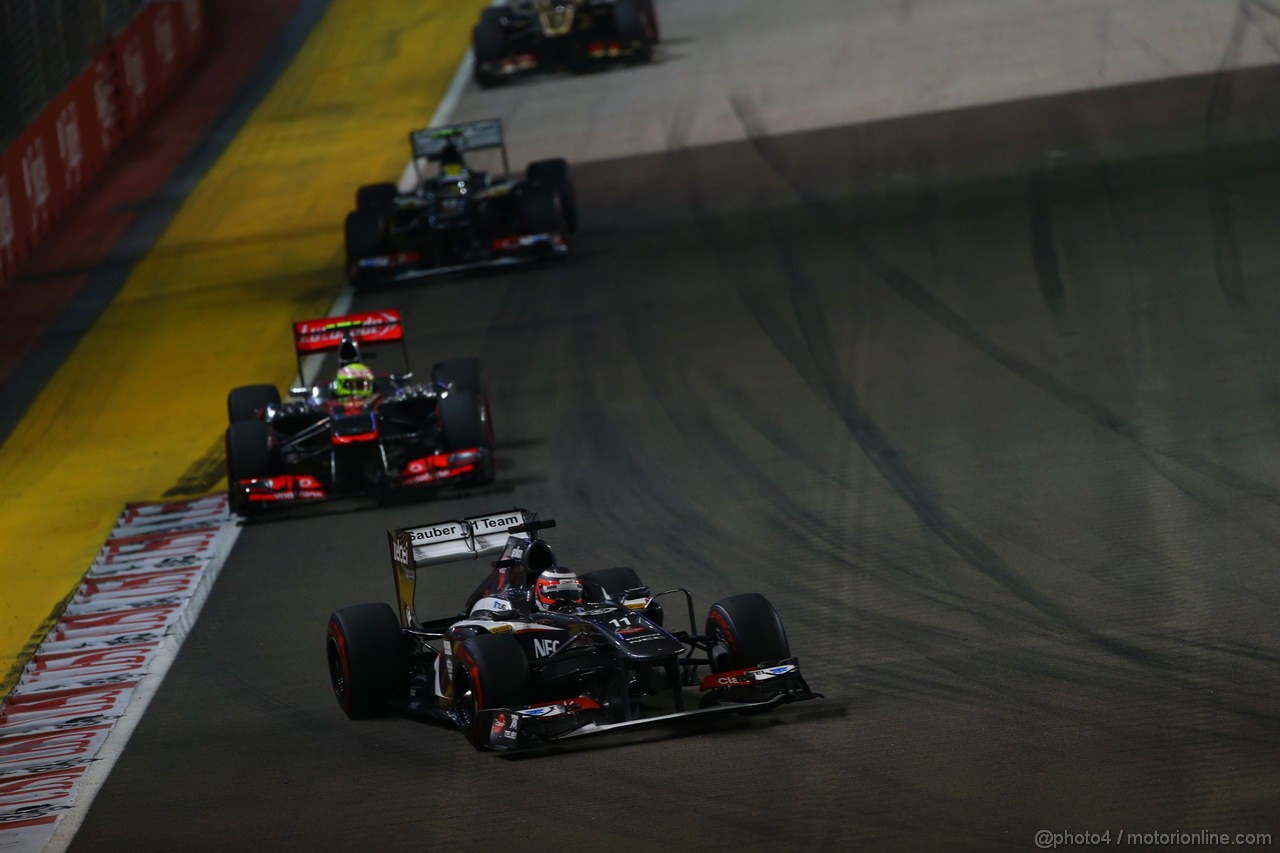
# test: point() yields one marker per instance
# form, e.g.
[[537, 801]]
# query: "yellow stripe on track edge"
[[256, 245]]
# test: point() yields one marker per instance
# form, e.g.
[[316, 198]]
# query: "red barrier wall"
[[68, 143]]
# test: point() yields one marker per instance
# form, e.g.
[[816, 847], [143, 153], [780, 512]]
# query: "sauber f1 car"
[[387, 432], [511, 671], [532, 35], [459, 219]]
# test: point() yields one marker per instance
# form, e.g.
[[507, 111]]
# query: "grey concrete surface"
[[983, 399], [831, 63]]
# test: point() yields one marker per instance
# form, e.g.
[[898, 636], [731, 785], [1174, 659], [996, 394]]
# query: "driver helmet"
[[452, 166], [353, 380], [557, 588]]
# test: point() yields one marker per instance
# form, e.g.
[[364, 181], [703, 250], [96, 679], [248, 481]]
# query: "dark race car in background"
[[510, 674], [460, 218], [577, 35], [318, 445]]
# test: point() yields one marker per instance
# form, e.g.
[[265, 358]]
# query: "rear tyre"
[[464, 373], [491, 671], [745, 630], [636, 23], [655, 31], [489, 45], [614, 581], [365, 235], [604, 583], [377, 198], [542, 209], [368, 668], [555, 174], [249, 455], [246, 403]]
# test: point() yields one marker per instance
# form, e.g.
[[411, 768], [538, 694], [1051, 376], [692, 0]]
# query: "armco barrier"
[[68, 143]]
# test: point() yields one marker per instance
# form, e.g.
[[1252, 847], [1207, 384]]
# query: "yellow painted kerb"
[[256, 245]]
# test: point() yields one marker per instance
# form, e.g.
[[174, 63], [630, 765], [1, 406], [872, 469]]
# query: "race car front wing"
[[506, 251], [752, 689], [434, 469]]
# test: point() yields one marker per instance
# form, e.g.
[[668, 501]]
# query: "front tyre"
[[247, 402], [368, 667], [377, 198], [365, 236], [554, 173], [744, 631], [462, 419], [250, 455], [490, 671], [542, 208], [464, 424]]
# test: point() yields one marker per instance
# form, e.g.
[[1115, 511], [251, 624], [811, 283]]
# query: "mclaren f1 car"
[[525, 664], [532, 35], [364, 432], [459, 218]]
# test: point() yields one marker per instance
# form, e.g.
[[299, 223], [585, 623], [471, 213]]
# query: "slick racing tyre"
[[614, 581], [246, 403], [464, 373], [490, 671], [368, 667], [489, 45], [377, 198], [604, 583], [636, 22], [365, 236], [249, 455], [543, 209], [555, 174], [463, 421], [745, 630]]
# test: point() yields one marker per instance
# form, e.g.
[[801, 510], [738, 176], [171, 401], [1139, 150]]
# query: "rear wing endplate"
[[413, 548]]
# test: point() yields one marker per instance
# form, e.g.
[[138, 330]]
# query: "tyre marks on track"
[[813, 355], [1044, 251]]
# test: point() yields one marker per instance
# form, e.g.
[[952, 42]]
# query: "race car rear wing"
[[327, 333], [413, 548], [431, 143], [346, 334]]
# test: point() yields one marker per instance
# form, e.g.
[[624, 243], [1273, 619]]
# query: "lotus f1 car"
[[459, 219], [531, 35], [396, 434], [511, 673]]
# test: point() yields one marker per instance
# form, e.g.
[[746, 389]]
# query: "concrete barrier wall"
[[66, 146]]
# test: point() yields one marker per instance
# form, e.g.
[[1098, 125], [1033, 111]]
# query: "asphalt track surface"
[[984, 401]]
